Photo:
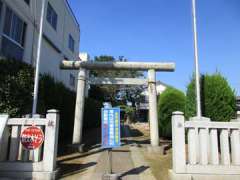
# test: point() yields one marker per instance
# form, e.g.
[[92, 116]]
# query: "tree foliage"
[[129, 113], [170, 100], [218, 98], [16, 86], [116, 93]]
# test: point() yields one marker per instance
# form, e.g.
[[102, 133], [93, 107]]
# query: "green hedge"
[[92, 113], [54, 95], [218, 98], [16, 87], [169, 101]]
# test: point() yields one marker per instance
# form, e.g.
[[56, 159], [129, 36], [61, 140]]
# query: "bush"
[[218, 99], [16, 87], [92, 113], [170, 100], [54, 95]]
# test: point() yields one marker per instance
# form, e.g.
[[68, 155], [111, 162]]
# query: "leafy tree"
[[218, 98], [129, 112], [170, 100], [191, 99]]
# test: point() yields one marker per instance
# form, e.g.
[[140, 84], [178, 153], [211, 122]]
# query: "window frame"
[[71, 43], [1, 11], [72, 80], [11, 34], [52, 16]]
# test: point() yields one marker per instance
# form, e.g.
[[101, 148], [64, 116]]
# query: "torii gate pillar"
[[79, 107], [153, 115]]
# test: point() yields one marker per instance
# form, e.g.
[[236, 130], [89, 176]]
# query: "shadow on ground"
[[80, 155], [136, 137], [92, 140], [135, 171], [73, 168], [92, 145]]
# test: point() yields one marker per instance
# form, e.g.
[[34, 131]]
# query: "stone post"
[[178, 143], [238, 115], [192, 146], [224, 144], [214, 150], [235, 142], [51, 145], [79, 108], [153, 116]]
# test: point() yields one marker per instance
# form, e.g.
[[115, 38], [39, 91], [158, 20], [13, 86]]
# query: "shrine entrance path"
[[131, 160]]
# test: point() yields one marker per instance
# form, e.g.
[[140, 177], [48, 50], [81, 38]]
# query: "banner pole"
[[36, 80], [197, 75]]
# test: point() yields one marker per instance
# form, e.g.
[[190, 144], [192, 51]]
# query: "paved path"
[[127, 161], [121, 164]]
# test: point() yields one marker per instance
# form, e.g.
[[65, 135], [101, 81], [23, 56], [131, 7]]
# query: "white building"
[[19, 24]]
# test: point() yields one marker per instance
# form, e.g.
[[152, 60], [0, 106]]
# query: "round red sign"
[[32, 138]]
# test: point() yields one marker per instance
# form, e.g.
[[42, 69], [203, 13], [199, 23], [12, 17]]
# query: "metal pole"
[[197, 76], [36, 81], [110, 160]]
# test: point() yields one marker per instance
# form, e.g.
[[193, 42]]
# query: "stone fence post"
[[51, 145], [178, 142]]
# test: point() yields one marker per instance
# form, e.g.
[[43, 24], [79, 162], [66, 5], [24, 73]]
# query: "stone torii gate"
[[84, 66]]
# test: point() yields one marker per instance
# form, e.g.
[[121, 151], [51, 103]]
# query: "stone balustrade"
[[19, 163], [201, 146]]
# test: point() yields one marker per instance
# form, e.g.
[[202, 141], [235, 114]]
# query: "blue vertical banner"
[[111, 127]]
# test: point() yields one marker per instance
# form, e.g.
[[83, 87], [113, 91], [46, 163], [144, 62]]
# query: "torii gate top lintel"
[[141, 66]]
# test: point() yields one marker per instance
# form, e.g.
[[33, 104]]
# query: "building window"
[[71, 43], [0, 12], [14, 27], [72, 80], [13, 36], [27, 1], [52, 16]]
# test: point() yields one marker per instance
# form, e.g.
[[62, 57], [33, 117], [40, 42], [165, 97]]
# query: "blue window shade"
[[0, 11], [27, 1], [11, 49], [14, 27], [72, 80], [71, 43], [52, 17], [13, 36]]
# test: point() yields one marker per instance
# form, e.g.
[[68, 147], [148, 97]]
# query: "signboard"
[[111, 127], [32, 138]]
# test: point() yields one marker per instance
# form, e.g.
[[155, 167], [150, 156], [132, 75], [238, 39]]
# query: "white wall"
[[50, 57]]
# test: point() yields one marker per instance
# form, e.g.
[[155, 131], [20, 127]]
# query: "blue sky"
[[161, 30]]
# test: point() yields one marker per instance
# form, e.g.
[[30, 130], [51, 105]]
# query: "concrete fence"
[[201, 146], [17, 162]]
